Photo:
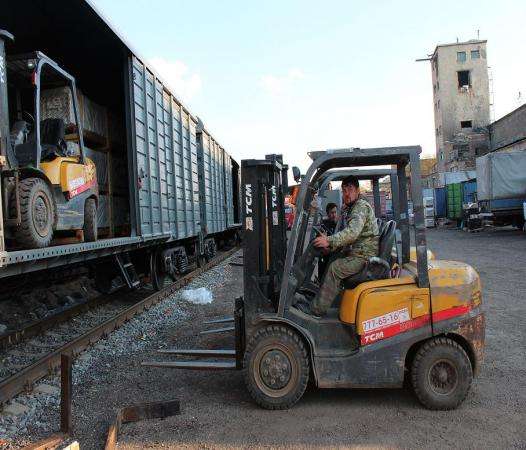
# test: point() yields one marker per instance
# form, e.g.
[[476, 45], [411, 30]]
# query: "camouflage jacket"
[[358, 229]]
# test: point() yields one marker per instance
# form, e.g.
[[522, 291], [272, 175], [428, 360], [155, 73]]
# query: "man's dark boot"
[[305, 308]]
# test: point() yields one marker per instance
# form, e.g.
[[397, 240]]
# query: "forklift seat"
[[378, 267], [52, 138], [52, 142]]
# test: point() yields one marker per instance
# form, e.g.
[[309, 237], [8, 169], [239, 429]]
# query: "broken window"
[[475, 54], [465, 124], [461, 56], [463, 78]]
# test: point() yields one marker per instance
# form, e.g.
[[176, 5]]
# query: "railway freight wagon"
[[118, 114]]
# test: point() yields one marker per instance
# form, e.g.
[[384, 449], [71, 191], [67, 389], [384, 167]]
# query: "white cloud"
[[276, 85], [185, 83]]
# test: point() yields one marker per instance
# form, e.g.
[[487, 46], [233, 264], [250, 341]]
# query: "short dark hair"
[[351, 180], [330, 206]]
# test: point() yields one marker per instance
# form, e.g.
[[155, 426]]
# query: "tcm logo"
[[274, 197], [248, 199], [249, 222], [373, 337]]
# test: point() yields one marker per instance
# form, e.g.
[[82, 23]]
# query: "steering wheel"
[[31, 123], [319, 231]]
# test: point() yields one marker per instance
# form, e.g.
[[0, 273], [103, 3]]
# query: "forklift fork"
[[231, 359]]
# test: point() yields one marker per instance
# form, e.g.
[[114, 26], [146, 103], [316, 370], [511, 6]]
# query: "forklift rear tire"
[[276, 367], [441, 374], [90, 220], [37, 213]]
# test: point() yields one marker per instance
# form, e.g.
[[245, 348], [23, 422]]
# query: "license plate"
[[391, 318]]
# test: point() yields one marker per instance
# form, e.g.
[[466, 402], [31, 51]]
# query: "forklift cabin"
[[48, 186], [425, 323], [372, 175]]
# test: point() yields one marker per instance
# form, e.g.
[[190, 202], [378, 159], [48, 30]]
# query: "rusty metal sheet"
[[473, 329], [141, 411]]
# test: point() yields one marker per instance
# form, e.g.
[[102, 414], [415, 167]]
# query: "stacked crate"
[[429, 212]]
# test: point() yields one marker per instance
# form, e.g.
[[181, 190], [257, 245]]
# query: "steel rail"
[[38, 327], [24, 379]]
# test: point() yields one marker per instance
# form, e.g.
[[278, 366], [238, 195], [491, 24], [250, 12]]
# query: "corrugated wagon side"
[[218, 189], [166, 159], [212, 187]]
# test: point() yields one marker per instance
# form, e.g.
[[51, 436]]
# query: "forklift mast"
[[264, 233], [6, 151]]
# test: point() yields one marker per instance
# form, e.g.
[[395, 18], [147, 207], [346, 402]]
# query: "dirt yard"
[[217, 411]]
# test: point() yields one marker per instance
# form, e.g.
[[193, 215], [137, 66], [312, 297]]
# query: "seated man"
[[361, 231], [328, 225]]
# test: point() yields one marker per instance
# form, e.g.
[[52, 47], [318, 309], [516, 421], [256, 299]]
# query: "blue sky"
[[293, 76]]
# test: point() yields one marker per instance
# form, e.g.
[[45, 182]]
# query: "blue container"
[[440, 202], [469, 191]]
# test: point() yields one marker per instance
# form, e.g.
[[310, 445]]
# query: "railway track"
[[47, 362]]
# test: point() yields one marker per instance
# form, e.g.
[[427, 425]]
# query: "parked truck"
[[501, 187]]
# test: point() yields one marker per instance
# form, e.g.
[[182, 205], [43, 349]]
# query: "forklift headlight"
[[31, 64]]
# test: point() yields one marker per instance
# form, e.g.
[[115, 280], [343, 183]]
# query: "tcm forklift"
[[423, 323], [47, 186]]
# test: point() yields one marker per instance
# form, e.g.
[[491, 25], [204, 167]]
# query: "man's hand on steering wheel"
[[321, 242]]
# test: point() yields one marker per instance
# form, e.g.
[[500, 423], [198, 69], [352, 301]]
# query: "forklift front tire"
[[90, 220], [441, 374], [37, 214], [276, 367]]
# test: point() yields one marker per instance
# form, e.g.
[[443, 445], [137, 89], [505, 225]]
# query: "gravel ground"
[[218, 413], [96, 369]]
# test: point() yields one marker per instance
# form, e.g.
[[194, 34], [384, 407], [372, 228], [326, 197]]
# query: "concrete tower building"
[[461, 103]]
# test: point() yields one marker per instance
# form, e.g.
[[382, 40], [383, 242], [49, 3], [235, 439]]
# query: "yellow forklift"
[[47, 186], [423, 323]]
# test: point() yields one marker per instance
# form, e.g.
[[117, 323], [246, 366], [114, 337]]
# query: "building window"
[[438, 86], [475, 54], [461, 56], [441, 155], [465, 124], [463, 78], [438, 104]]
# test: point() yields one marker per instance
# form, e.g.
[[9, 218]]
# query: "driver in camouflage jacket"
[[356, 242]]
